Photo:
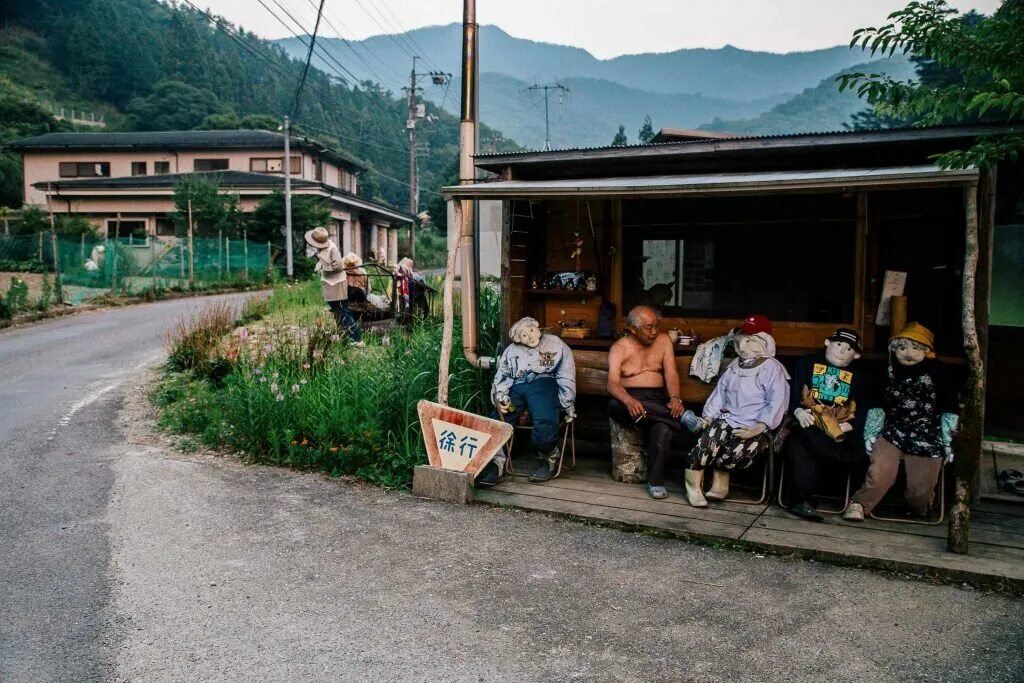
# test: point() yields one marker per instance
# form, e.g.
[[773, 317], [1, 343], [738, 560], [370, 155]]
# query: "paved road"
[[121, 559], [60, 382]]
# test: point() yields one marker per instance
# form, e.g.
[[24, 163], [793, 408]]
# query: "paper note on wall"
[[893, 284]]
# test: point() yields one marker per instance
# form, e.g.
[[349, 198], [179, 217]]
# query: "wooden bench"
[[627, 444]]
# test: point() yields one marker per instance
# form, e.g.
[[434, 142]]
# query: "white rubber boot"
[[694, 488], [719, 486]]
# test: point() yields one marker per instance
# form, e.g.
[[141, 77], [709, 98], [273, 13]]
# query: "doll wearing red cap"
[[749, 400]]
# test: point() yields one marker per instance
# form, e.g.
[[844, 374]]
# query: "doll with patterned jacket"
[[915, 424]]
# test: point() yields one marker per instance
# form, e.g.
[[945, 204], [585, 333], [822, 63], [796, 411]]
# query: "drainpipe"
[[467, 173]]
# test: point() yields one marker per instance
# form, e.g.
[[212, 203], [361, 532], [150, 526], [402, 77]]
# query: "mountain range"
[[766, 92]]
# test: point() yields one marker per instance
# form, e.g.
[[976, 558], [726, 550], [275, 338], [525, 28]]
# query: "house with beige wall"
[[124, 182]]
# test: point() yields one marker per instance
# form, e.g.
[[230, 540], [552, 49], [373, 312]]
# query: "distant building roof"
[[225, 179], [228, 180], [688, 134], [180, 140], [816, 150]]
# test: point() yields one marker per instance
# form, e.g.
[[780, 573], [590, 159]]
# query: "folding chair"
[[568, 430], [777, 436], [924, 522], [824, 511]]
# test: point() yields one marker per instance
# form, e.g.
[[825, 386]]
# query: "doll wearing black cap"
[[829, 401]]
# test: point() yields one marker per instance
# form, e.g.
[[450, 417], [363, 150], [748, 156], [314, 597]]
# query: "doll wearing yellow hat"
[[915, 424]]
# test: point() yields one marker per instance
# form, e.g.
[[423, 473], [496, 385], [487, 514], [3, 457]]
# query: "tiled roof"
[[178, 140], [223, 178]]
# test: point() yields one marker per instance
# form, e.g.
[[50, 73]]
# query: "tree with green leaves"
[[266, 221], [981, 64], [213, 212], [646, 133], [620, 138]]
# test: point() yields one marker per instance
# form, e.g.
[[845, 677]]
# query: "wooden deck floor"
[[589, 493]]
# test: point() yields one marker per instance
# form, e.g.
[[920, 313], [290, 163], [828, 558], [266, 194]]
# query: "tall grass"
[[193, 341], [300, 396]]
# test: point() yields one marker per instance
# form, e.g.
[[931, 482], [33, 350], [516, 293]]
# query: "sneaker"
[[489, 476], [547, 465], [854, 513], [657, 492], [805, 511]]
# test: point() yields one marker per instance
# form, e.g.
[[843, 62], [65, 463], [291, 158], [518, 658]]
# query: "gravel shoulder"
[[227, 571]]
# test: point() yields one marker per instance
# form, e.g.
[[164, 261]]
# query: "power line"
[[386, 30], [408, 36], [349, 137], [351, 47], [324, 55], [327, 98]]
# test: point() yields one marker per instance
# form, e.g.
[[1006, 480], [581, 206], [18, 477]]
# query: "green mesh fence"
[[93, 266]]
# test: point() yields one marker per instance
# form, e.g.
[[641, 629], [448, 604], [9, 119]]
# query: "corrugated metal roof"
[[839, 179], [880, 134]]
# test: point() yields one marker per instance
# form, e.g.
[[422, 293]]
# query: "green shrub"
[[33, 265], [45, 296], [17, 295]]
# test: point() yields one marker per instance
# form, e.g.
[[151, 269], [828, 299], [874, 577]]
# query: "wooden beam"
[[860, 264], [506, 269], [615, 284], [968, 442]]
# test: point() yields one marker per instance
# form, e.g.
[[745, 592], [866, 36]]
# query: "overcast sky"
[[606, 28]]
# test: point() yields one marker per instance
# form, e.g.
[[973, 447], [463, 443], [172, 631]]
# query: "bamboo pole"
[[58, 286], [81, 249], [220, 256], [113, 254], [967, 444], [227, 257], [245, 253], [181, 260], [449, 310], [41, 245], [191, 252], [270, 257]]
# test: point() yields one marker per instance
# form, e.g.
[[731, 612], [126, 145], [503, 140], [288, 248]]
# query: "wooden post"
[[220, 255], [270, 258], [113, 254], [448, 324], [191, 253], [58, 287], [245, 253], [968, 441], [227, 257], [81, 255], [41, 244], [897, 313]]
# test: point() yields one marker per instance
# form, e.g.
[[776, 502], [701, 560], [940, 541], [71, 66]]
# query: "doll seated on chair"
[[916, 425], [537, 373], [829, 401], [749, 400]]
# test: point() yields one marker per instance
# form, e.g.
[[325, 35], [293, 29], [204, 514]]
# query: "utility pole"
[[288, 257], [547, 120], [417, 111], [411, 125]]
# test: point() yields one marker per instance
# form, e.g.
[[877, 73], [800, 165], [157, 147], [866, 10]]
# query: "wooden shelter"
[[801, 228]]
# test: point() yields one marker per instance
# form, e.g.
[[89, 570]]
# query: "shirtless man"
[[644, 386]]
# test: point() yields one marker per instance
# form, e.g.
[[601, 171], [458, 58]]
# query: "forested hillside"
[[151, 66], [820, 108]]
